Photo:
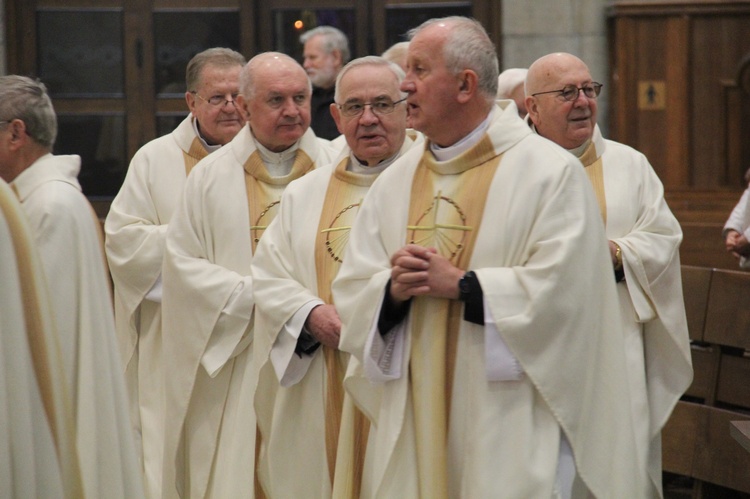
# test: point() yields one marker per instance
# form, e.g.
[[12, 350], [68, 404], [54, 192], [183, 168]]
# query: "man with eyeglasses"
[[136, 228], [229, 199], [67, 235], [300, 393], [473, 295], [643, 237]]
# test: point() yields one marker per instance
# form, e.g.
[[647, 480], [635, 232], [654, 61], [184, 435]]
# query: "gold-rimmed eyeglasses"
[[353, 108], [217, 100], [570, 92]]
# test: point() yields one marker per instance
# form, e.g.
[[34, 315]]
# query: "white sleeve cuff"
[[500, 363], [291, 368]]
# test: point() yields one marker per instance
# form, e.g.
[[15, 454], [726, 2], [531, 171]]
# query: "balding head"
[[275, 96], [569, 123]]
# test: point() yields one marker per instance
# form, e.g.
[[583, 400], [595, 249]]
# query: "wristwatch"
[[464, 286], [618, 256]]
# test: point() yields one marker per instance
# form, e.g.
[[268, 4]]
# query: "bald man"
[[643, 237], [229, 199]]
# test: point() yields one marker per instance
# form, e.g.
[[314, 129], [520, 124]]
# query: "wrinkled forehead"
[[566, 72], [367, 82]]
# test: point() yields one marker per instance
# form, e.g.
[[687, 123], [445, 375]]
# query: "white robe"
[[207, 328], [69, 241], [136, 229], [739, 220], [291, 417], [542, 263], [37, 444], [651, 303]]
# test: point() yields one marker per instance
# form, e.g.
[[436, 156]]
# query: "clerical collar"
[[577, 151], [355, 166], [450, 152], [279, 164], [210, 148]]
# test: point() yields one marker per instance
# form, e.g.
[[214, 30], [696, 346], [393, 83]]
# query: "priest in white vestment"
[[644, 241], [136, 229], [300, 399], [229, 199], [69, 240], [38, 457], [473, 291]]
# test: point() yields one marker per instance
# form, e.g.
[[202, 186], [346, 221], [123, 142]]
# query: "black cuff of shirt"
[[474, 300], [619, 274], [306, 344], [390, 313]]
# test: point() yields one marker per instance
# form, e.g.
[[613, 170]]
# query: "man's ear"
[[532, 107], [468, 84], [190, 100], [241, 104], [18, 135], [336, 114]]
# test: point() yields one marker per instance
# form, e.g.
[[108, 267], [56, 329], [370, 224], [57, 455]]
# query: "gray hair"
[[468, 46], [217, 56], [333, 39], [247, 75], [396, 51], [370, 60], [27, 100]]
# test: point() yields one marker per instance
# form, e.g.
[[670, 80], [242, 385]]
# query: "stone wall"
[[533, 28]]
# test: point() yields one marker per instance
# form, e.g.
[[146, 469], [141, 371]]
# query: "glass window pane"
[[100, 141], [166, 123], [178, 36], [401, 18], [80, 52], [289, 24]]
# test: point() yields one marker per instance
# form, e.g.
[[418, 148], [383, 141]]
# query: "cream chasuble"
[[136, 229], [296, 261], [658, 347], [208, 317], [37, 447], [69, 244], [542, 262]]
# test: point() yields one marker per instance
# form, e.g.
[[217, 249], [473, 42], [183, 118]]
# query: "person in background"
[[229, 199], [396, 53], [480, 330], [136, 229], [326, 50], [297, 325], [70, 244], [643, 238], [510, 86], [736, 230]]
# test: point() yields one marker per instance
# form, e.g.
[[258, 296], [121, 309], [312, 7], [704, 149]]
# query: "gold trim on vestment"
[[595, 172], [34, 318], [450, 222], [196, 153], [262, 190], [339, 210]]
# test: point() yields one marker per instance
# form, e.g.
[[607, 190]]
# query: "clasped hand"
[[420, 271]]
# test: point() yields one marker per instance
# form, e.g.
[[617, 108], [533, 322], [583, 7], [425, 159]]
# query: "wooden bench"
[[696, 440]]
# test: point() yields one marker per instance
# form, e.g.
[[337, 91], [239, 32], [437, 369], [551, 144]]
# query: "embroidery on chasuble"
[[343, 198], [264, 191], [449, 220]]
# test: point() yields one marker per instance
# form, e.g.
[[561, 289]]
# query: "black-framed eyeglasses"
[[217, 100], [570, 92], [353, 108]]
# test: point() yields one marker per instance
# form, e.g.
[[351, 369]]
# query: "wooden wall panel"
[[718, 45]]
